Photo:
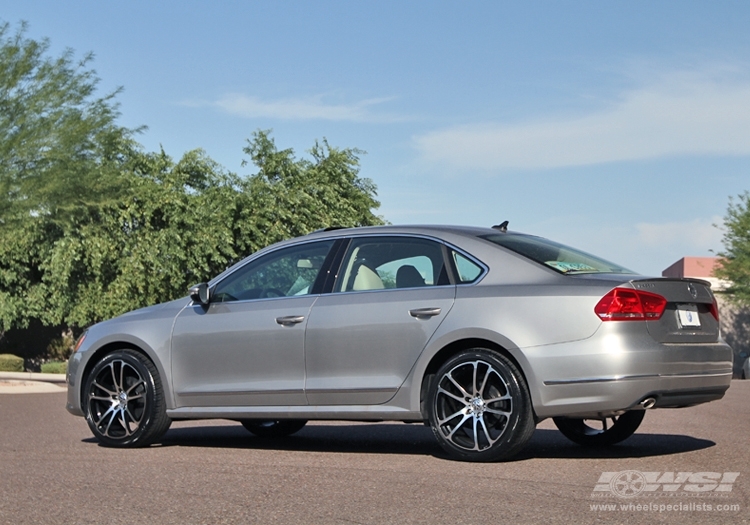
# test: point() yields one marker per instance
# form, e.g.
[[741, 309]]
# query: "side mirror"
[[199, 293]]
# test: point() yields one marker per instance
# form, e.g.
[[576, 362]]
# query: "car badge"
[[692, 290]]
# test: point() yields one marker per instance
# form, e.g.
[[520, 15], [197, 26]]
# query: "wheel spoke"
[[475, 364], [460, 424], [111, 420], [99, 398], [139, 383], [121, 386], [498, 412], [487, 433], [476, 434], [441, 390], [486, 378], [114, 376], [496, 399], [449, 375], [97, 385], [99, 422], [461, 412]]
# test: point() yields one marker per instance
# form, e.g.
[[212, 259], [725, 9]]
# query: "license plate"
[[688, 316]]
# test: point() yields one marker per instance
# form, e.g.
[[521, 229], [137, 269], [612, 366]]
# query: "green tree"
[[92, 226], [60, 145], [735, 266], [290, 197]]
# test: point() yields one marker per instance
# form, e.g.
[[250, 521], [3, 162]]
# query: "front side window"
[[379, 263], [284, 273]]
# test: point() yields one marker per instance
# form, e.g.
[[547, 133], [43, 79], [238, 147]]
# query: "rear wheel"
[[600, 432], [124, 402], [479, 407], [273, 428]]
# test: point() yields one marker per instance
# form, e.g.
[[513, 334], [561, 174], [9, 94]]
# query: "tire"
[[273, 428], [581, 432], [124, 401], [479, 407]]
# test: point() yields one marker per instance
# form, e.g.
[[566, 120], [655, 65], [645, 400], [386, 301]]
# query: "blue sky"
[[619, 128]]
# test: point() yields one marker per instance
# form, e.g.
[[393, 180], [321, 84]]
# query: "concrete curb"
[[33, 376]]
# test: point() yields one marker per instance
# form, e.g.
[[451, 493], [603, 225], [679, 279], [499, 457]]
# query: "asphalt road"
[[214, 472]]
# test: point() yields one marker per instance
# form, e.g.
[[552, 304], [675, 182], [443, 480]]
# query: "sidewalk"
[[31, 383]]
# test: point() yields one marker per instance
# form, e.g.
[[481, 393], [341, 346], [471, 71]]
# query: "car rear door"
[[362, 340]]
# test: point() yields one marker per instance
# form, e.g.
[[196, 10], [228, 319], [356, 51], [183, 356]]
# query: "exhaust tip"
[[647, 403]]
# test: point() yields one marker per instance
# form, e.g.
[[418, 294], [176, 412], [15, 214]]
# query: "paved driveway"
[[214, 472]]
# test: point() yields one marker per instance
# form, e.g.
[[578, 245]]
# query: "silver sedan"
[[478, 332]]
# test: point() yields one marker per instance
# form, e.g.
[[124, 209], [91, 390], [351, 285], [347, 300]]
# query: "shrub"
[[61, 347], [11, 363], [55, 367]]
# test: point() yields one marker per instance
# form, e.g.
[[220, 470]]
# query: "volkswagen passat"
[[478, 332]]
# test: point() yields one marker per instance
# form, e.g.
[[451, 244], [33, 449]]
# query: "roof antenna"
[[503, 226]]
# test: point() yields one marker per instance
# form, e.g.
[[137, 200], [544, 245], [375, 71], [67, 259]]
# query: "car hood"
[[169, 309]]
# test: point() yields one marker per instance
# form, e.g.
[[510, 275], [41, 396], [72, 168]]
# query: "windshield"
[[559, 257]]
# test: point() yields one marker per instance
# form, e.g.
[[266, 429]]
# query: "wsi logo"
[[631, 483]]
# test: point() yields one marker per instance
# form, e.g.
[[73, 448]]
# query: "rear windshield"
[[559, 257]]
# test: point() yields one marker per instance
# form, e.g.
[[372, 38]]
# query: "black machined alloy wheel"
[[124, 401], [600, 432], [272, 428], [479, 407]]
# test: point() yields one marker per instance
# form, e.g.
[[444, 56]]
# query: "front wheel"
[[479, 407], [600, 432], [273, 428], [124, 402]]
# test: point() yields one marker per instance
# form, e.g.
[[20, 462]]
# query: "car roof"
[[436, 230]]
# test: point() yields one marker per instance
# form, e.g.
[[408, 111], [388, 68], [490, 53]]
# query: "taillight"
[[626, 304], [714, 309]]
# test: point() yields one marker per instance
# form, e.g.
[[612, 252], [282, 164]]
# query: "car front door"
[[247, 346], [362, 340]]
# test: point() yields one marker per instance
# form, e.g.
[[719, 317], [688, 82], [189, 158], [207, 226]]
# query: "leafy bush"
[[55, 367], [61, 347], [11, 363]]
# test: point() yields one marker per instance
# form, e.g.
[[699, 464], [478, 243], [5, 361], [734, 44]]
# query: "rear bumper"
[[612, 372]]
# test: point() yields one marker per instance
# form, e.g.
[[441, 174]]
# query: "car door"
[[362, 340], [247, 346]]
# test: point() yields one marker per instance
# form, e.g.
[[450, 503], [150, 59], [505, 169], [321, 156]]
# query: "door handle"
[[290, 320], [424, 312]]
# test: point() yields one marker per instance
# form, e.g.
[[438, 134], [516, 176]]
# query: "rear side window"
[[381, 263], [559, 257]]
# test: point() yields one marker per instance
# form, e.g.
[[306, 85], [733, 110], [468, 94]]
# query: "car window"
[[468, 270], [559, 257], [378, 263], [282, 273]]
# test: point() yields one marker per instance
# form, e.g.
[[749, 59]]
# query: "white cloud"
[[699, 235], [310, 108], [682, 113]]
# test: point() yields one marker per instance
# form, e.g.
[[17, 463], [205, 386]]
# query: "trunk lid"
[[687, 317]]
